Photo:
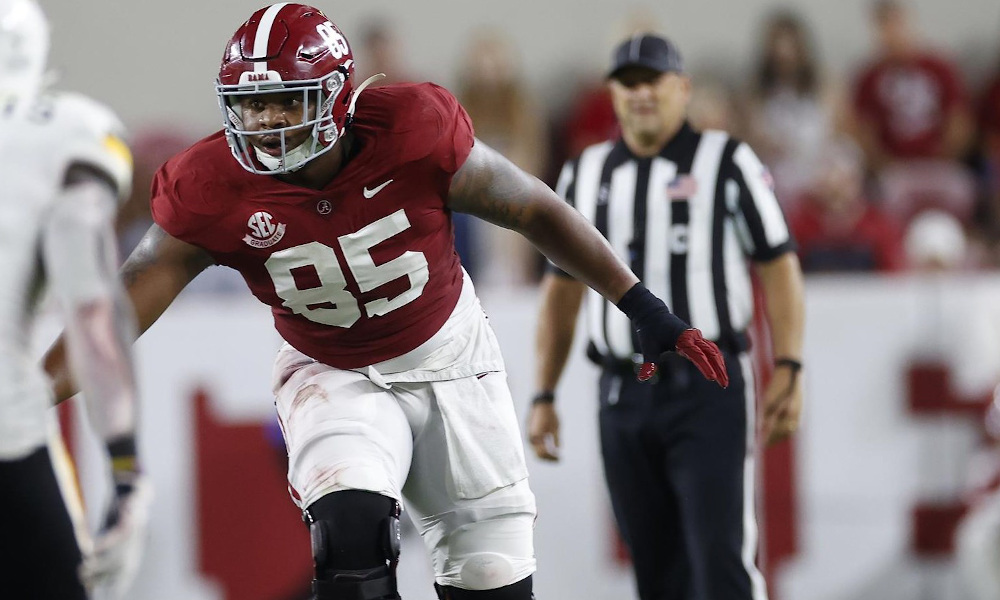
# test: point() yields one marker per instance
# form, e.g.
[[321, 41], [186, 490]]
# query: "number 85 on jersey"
[[356, 248]]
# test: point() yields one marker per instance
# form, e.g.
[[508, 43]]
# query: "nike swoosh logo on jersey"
[[370, 193]]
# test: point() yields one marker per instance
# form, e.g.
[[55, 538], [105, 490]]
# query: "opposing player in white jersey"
[[62, 171]]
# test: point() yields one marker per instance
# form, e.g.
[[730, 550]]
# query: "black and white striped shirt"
[[685, 221]]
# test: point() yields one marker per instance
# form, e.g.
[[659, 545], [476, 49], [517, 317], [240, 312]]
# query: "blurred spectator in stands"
[[507, 117], [910, 100], [503, 109], [381, 54], [835, 227], [989, 115], [913, 121], [935, 241], [711, 105], [989, 131], [792, 109], [150, 149], [591, 117]]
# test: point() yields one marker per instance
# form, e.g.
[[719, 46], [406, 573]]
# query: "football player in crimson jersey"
[[335, 207]]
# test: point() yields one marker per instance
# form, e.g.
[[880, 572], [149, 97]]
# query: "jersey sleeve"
[[95, 137], [79, 250], [165, 203], [455, 135], [765, 234]]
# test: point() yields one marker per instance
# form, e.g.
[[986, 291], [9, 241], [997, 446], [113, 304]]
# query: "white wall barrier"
[[864, 461]]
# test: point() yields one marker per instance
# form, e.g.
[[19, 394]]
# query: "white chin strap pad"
[[293, 159]]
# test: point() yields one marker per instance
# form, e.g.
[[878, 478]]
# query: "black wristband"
[[791, 363], [122, 451], [543, 398], [643, 308], [122, 446], [636, 299]]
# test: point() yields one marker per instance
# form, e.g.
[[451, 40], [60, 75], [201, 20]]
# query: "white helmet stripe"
[[263, 36]]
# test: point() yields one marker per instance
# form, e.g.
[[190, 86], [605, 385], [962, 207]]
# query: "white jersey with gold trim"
[[38, 145]]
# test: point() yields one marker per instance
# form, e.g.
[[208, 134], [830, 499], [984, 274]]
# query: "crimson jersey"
[[359, 272]]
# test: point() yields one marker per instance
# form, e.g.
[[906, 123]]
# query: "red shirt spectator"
[[592, 120], [866, 240], [990, 109], [835, 228], [909, 101], [989, 119], [989, 128]]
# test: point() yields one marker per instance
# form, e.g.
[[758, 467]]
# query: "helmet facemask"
[[318, 99]]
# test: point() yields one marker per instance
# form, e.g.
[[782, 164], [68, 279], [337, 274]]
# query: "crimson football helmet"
[[287, 47]]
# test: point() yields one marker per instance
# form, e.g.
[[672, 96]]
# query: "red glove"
[[703, 353]]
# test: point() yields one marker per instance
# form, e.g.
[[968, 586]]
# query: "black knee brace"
[[520, 590], [355, 545]]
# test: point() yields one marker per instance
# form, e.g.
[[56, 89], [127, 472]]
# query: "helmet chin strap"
[[354, 97], [357, 90], [293, 160]]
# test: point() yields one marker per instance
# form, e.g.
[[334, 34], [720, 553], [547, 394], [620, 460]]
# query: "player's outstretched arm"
[[80, 257], [154, 274], [491, 187], [79, 253], [494, 189]]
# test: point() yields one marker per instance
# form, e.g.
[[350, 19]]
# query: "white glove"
[[118, 547]]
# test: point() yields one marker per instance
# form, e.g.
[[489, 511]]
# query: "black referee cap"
[[646, 50]]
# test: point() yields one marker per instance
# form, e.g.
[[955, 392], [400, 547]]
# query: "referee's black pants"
[[39, 554], [676, 463]]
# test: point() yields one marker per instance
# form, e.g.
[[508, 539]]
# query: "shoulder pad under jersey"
[[90, 133]]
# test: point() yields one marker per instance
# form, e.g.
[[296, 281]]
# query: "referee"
[[689, 210]]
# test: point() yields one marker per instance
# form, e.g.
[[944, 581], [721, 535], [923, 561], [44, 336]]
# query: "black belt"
[[733, 343]]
